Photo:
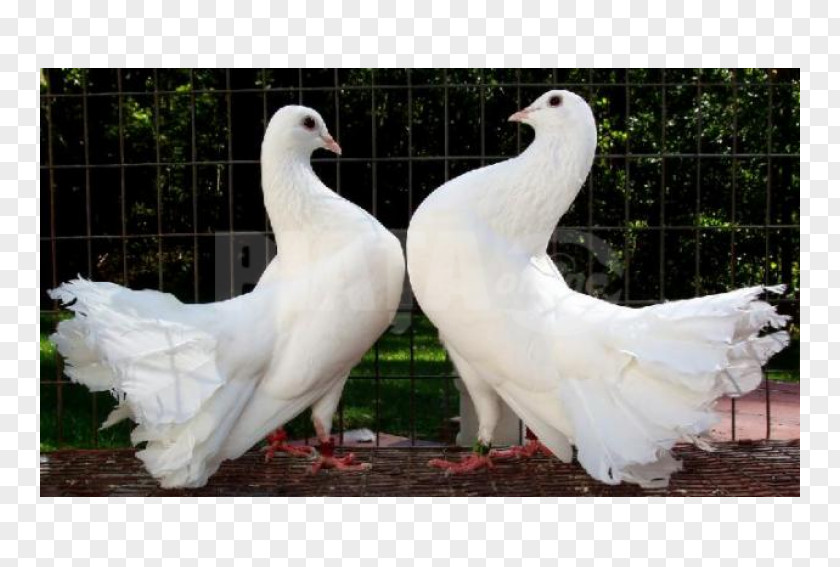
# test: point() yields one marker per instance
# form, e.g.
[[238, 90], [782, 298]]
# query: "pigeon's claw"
[[526, 451], [468, 463], [325, 459], [347, 463], [277, 443]]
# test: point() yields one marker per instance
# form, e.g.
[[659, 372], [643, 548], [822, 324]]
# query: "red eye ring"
[[555, 101]]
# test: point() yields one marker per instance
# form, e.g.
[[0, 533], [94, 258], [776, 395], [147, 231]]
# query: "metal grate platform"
[[756, 468]]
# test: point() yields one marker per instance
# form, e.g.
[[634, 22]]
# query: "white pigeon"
[[622, 385], [206, 382]]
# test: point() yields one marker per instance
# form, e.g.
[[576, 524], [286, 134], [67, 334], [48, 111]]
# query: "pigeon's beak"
[[330, 144], [520, 116]]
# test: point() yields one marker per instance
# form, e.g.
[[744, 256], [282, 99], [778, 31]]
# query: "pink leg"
[[277, 442], [478, 459], [468, 463], [531, 448], [325, 457]]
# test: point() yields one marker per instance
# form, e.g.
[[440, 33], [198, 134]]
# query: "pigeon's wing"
[[340, 308]]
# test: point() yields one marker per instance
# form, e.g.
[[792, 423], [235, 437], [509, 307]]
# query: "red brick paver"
[[751, 414]]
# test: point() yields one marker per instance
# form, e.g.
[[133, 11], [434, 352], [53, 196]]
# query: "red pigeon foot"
[[277, 442], [325, 459], [531, 448], [468, 463]]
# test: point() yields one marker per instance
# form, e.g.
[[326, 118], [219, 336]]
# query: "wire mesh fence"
[[150, 179]]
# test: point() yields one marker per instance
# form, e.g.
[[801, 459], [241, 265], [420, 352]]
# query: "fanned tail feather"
[[681, 357], [161, 371], [711, 345]]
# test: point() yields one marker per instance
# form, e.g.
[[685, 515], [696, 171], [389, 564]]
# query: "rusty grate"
[[755, 468]]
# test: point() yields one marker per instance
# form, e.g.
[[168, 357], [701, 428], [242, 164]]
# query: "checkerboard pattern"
[[465, 531]]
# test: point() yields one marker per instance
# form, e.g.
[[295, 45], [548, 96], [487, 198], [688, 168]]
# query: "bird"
[[205, 382], [614, 385]]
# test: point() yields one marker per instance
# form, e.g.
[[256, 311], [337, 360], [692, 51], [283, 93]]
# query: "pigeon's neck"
[[310, 222], [291, 191], [561, 161], [548, 176]]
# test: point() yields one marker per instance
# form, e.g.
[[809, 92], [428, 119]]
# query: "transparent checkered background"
[[355, 32]]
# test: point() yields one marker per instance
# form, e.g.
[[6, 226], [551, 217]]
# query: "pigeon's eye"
[[556, 100], [309, 123]]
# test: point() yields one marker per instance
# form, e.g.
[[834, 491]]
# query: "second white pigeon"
[[622, 385], [206, 382]]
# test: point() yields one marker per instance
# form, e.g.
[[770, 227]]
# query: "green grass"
[[428, 400], [787, 376]]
